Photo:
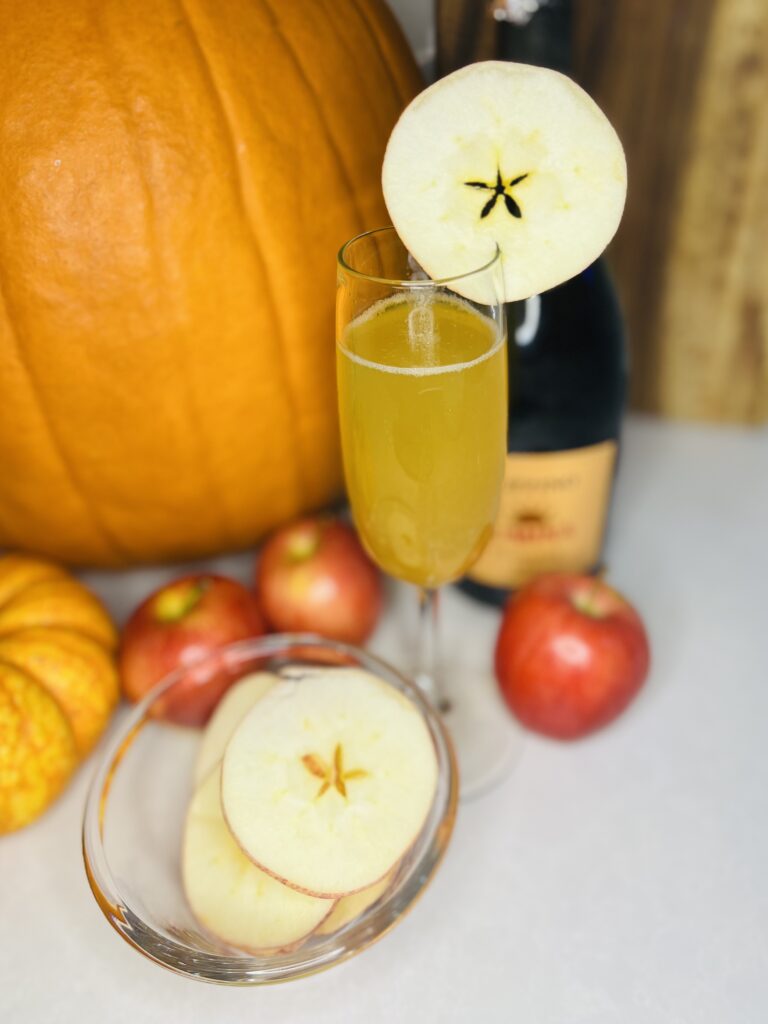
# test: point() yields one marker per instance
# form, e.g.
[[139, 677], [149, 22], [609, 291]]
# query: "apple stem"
[[176, 602], [586, 603], [304, 545]]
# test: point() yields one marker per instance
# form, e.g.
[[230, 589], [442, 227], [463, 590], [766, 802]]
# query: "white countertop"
[[623, 879]]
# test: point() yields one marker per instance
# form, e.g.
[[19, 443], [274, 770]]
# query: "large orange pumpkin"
[[175, 179]]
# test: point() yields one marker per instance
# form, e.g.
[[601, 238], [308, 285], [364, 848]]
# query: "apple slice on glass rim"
[[508, 155]]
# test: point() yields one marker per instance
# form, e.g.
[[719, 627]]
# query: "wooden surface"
[[685, 82], [686, 85], [466, 32]]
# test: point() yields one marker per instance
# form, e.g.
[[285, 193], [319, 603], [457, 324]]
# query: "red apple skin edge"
[[314, 575], [570, 655], [182, 624]]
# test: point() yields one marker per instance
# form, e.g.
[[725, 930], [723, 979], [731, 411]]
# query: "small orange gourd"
[[58, 683]]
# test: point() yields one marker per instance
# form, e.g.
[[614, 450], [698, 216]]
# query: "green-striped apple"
[[181, 625]]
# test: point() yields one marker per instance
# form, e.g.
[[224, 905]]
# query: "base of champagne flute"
[[456, 676], [487, 739]]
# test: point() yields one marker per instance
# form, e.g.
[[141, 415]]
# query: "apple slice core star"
[[508, 155], [328, 780]]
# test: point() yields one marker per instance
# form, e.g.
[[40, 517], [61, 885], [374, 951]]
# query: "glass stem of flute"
[[427, 657]]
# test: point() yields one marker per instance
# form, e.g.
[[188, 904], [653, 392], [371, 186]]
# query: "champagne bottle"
[[567, 388]]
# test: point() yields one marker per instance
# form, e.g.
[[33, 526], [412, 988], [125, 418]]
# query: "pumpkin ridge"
[[387, 127], [107, 535], [85, 598], [401, 98], [78, 631], [321, 118], [214, 491], [50, 572], [118, 97], [320, 113], [29, 773], [116, 94], [7, 530], [41, 686], [388, 27], [62, 637], [85, 740], [229, 135]]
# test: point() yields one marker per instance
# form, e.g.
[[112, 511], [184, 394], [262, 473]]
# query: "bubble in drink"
[[421, 330]]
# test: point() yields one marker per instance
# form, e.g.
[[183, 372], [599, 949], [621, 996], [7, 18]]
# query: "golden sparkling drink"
[[423, 410]]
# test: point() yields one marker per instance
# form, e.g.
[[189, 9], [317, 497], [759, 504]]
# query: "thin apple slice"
[[230, 711], [504, 154], [328, 780], [229, 895], [350, 907]]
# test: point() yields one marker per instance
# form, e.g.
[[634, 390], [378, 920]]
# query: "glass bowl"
[[134, 818]]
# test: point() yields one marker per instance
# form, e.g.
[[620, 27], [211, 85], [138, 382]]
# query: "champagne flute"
[[422, 384]]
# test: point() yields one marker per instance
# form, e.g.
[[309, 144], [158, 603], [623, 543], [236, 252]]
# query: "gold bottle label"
[[551, 516]]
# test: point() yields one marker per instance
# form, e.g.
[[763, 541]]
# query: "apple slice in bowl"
[[229, 895], [347, 908], [328, 780], [230, 711]]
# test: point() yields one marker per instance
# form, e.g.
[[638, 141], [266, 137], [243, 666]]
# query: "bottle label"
[[551, 516]]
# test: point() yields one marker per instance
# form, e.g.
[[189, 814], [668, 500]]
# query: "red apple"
[[182, 624], [571, 654], [314, 575]]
